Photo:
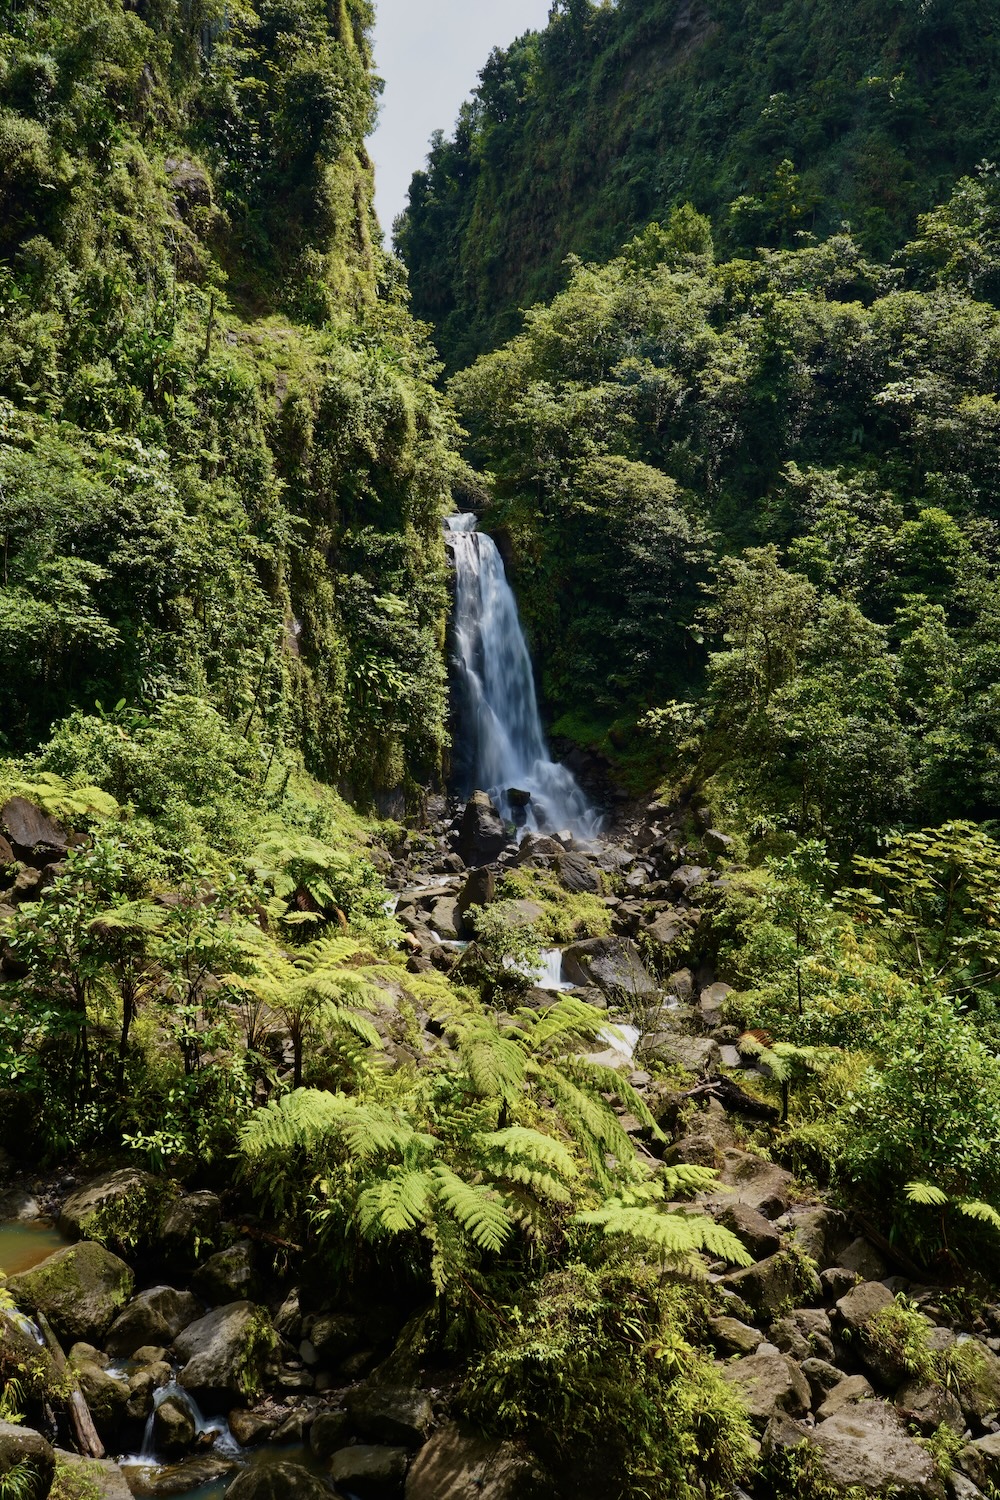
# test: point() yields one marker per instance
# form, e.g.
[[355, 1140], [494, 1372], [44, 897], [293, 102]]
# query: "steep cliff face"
[[800, 115], [222, 464]]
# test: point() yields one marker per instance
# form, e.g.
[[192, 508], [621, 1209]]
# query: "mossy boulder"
[[81, 1290], [23, 1446], [21, 1356], [118, 1209], [285, 1481], [88, 1479]]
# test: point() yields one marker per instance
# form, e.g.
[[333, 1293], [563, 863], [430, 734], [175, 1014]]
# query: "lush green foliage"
[[222, 465], [774, 119]]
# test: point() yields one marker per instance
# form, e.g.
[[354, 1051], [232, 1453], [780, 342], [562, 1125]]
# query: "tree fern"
[[395, 1203], [480, 1211], [496, 1064], [677, 1237], [925, 1193]]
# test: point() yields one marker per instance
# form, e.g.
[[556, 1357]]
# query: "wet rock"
[[479, 889], [335, 1336], [141, 1387], [578, 875], [847, 1392], [250, 1427], [695, 1054], [804, 1333], [446, 918], [227, 1276], [711, 1004], [860, 1256], [386, 1414], [81, 1290], [174, 1427], [181, 1478], [17, 1205], [668, 928], [837, 1281], [768, 1383], [866, 1446], [482, 835], [153, 1317], [457, 1464], [822, 1377], [106, 1395], [23, 1445], [122, 1194], [284, 1481], [369, 1472], [613, 964], [224, 1353], [749, 1179]]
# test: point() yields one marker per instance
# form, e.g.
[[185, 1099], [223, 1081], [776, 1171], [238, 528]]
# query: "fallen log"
[[734, 1099], [89, 1443]]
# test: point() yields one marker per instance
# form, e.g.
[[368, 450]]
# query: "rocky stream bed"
[[205, 1373]]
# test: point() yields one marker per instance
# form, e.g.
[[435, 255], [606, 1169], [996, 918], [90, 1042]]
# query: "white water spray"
[[505, 745]]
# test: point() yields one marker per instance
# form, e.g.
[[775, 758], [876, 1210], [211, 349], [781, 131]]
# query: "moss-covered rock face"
[[80, 1290], [24, 1452], [118, 1209]]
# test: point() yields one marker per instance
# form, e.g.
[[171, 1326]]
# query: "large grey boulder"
[[223, 1353], [929, 1407], [479, 889], [155, 1317], [730, 1336], [768, 1383], [371, 1472], [190, 1225], [749, 1179], [458, 1464], [751, 1228], [284, 1481], [22, 1445], [105, 1394], [81, 1290], [864, 1446], [695, 1054], [847, 1392], [614, 965], [821, 1233], [482, 835], [174, 1427], [978, 1379], [859, 1311], [804, 1333]]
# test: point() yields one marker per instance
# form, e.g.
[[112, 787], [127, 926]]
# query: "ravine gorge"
[[499, 854]]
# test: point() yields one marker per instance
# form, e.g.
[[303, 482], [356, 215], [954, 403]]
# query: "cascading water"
[[504, 746]]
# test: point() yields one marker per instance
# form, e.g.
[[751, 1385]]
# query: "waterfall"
[[504, 746]]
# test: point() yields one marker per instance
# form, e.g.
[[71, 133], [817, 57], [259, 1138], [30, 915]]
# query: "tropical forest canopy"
[[770, 116]]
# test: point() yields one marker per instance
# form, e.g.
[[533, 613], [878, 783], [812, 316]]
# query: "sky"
[[430, 52]]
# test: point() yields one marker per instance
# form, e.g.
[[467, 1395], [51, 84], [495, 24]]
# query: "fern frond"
[[306, 1118], [532, 1146], [569, 1019], [590, 1122], [687, 1178], [542, 1184], [611, 1081], [985, 1213], [925, 1192], [676, 1236], [496, 1064], [395, 1204], [480, 1211]]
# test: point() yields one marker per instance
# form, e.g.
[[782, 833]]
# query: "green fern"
[[480, 1211], [679, 1238], [926, 1193]]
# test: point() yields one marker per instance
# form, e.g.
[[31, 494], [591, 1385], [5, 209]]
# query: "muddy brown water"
[[23, 1245]]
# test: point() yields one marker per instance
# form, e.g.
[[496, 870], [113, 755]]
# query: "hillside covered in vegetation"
[[772, 118]]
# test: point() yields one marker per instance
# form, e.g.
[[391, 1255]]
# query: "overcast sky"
[[430, 52]]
